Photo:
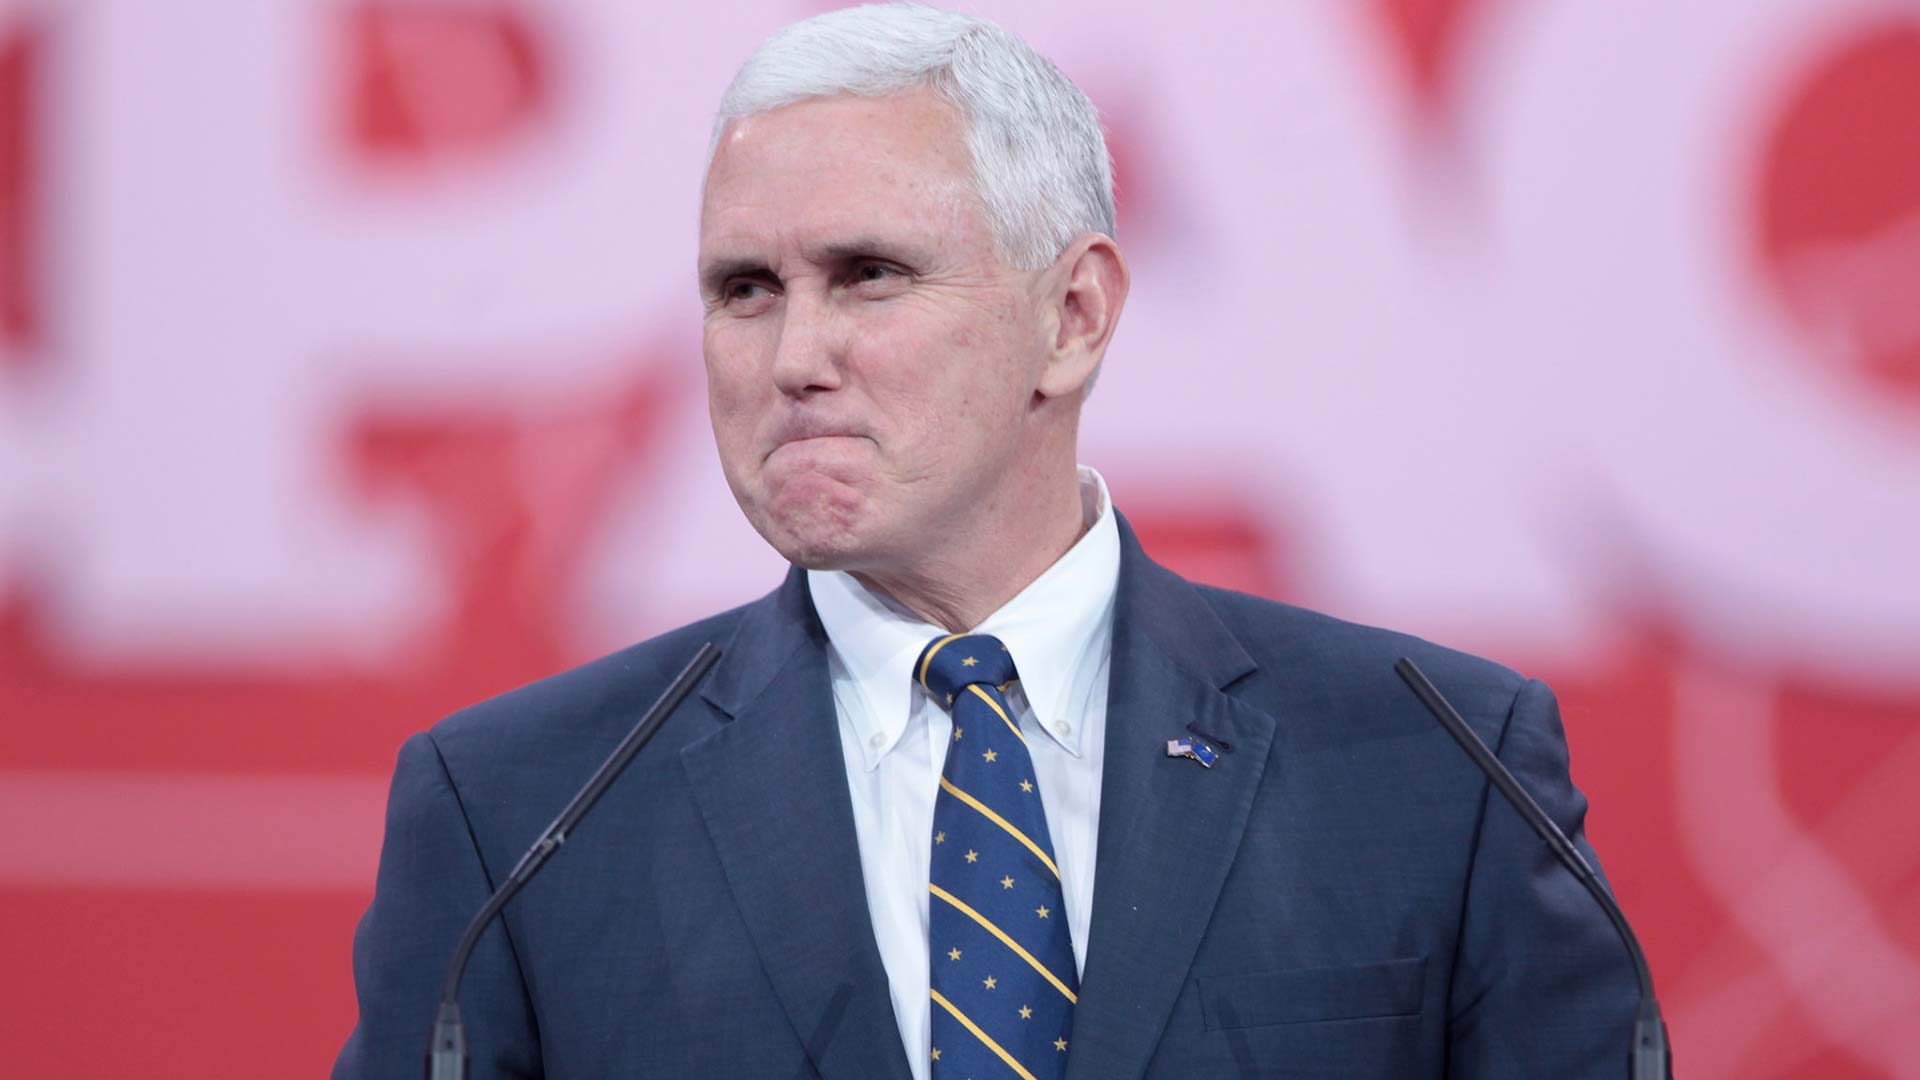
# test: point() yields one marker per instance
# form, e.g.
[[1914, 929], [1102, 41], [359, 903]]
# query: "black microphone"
[[447, 1053], [1649, 1059]]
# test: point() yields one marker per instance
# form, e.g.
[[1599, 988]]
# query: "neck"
[[965, 587]]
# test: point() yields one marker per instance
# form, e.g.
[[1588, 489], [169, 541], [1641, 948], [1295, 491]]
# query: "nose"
[[807, 358]]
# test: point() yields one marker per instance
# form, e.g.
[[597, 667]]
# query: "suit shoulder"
[[1311, 645]]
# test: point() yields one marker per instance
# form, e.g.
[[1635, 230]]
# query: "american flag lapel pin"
[[1193, 748]]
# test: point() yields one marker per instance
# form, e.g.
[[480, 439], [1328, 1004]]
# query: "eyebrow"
[[715, 274]]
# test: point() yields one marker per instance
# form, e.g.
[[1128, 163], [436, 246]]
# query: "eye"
[[876, 279], [748, 294]]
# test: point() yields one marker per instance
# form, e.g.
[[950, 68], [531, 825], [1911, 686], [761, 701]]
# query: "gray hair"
[[1040, 163]]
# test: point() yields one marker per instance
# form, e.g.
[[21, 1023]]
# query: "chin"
[[818, 550], [820, 533]]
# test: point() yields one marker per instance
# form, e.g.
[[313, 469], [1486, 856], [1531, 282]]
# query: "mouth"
[[815, 439]]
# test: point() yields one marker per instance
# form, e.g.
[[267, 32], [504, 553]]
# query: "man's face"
[[871, 363]]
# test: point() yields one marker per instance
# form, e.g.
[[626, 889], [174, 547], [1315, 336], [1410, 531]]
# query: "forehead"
[[821, 168]]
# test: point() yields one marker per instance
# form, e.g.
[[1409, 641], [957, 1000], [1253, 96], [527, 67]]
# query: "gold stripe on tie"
[[928, 659], [947, 785], [981, 1035], [987, 925], [1011, 726]]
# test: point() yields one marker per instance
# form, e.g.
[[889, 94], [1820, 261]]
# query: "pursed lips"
[[801, 433]]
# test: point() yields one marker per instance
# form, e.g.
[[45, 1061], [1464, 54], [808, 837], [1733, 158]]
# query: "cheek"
[[981, 385], [733, 382], [733, 424]]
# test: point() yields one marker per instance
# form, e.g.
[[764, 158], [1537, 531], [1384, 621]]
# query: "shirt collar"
[[1059, 624]]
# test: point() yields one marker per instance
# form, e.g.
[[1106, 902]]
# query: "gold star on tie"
[[1007, 882], [956, 733], [969, 662], [949, 699], [940, 838], [990, 982], [936, 1053], [1026, 1012], [1059, 1044], [973, 856], [1026, 785], [1041, 911], [953, 953], [990, 756]]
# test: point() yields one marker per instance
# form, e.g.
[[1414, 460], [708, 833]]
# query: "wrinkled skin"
[[889, 397]]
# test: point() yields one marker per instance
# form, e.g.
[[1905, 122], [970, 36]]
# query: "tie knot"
[[951, 664]]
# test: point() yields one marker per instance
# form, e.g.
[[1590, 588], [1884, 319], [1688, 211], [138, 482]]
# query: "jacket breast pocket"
[[1304, 995]]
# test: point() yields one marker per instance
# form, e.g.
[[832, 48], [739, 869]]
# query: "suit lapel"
[[1169, 829], [772, 789]]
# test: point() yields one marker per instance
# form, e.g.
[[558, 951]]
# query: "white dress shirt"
[[1060, 633]]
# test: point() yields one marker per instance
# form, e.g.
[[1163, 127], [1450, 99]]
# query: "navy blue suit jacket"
[[1340, 896]]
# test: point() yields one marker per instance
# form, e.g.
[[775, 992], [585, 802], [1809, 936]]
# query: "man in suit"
[[980, 790]]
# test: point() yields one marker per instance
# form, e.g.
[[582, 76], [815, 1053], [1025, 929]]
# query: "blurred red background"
[[348, 374]]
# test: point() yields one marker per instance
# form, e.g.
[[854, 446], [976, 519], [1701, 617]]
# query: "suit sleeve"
[[431, 882], [1542, 985]]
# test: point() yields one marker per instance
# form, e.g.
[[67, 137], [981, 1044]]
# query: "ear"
[[1082, 295]]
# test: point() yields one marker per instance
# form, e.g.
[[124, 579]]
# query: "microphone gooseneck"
[[447, 1053], [1650, 1058]]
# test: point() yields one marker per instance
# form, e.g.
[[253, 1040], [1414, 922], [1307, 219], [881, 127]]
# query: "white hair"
[[1040, 163]]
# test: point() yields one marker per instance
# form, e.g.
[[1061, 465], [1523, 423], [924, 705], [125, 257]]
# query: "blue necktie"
[[1002, 974]]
